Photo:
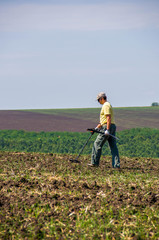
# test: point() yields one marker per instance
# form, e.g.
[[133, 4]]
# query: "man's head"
[[101, 96]]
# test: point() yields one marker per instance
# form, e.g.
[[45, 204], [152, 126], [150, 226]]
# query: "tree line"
[[137, 142]]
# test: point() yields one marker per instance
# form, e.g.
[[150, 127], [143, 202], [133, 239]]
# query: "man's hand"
[[98, 126], [106, 133]]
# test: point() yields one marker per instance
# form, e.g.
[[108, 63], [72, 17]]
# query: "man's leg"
[[97, 148], [113, 148]]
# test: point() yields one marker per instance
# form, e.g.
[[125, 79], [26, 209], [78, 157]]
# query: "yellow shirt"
[[106, 110]]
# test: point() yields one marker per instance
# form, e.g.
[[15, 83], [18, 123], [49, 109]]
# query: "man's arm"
[[108, 121]]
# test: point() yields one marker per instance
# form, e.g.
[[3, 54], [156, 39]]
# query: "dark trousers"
[[98, 144]]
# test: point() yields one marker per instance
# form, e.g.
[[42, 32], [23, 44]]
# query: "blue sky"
[[61, 54]]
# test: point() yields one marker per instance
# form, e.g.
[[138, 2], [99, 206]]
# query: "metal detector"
[[101, 132], [92, 131], [76, 159]]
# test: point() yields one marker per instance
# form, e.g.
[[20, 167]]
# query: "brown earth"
[[36, 188], [31, 121]]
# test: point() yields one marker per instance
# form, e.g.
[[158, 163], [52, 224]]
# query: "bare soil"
[[42, 190], [31, 121]]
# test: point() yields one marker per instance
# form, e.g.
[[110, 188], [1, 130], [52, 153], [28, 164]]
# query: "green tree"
[[154, 104]]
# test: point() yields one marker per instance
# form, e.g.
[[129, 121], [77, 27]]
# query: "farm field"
[[44, 196], [76, 120]]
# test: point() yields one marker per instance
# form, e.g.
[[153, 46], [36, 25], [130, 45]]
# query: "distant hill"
[[77, 119]]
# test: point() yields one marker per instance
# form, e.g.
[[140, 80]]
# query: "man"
[[107, 124]]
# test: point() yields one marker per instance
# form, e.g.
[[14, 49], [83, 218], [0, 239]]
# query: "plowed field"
[[45, 196], [77, 120], [31, 121]]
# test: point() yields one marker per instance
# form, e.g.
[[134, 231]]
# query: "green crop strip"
[[140, 142]]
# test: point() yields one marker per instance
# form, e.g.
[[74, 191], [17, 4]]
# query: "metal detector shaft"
[[84, 146], [76, 160], [113, 136]]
